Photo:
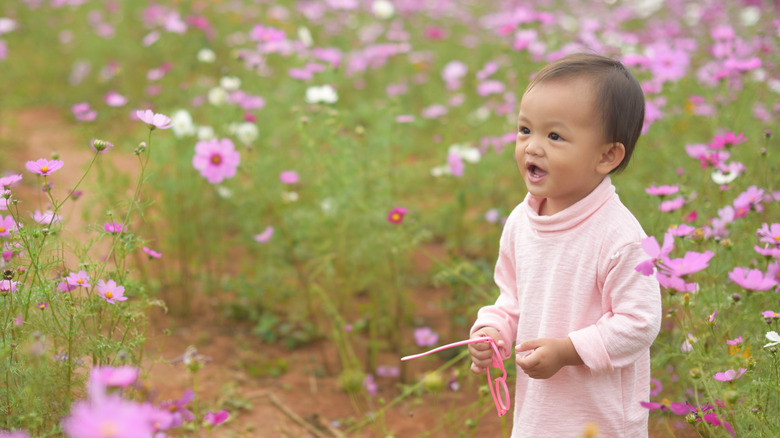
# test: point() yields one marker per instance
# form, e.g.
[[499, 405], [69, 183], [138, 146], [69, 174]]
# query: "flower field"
[[214, 206]]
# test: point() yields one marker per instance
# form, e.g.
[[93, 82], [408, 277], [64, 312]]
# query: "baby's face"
[[560, 142]]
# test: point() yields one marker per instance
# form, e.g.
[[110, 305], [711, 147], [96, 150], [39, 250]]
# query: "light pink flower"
[[112, 98], [78, 279], [216, 159], [46, 218], [729, 375], [265, 236], [672, 204], [769, 233], [690, 263], [751, 279], [154, 120], [107, 376], [10, 180], [735, 341], [455, 163], [425, 337], [43, 166], [110, 291], [7, 224], [655, 251], [111, 417], [83, 112]]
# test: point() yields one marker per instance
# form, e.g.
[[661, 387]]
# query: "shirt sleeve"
[[632, 318], [503, 314]]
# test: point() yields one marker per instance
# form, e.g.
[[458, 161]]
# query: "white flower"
[[230, 83], [205, 133], [324, 94], [721, 178], [224, 192], [7, 25], [749, 15], [328, 206], [305, 36], [206, 55], [246, 132], [467, 153], [774, 337], [217, 96], [289, 197], [440, 171], [382, 9], [182, 125]]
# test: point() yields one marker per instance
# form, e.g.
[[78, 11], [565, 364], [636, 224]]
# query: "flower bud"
[[690, 419], [736, 297], [731, 396], [433, 382], [695, 373]]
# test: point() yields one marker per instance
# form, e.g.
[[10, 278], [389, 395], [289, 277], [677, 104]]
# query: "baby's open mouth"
[[535, 171]]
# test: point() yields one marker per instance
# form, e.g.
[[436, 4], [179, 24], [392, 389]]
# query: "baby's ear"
[[611, 157]]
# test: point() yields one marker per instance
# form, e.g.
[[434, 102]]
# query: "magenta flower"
[[729, 375], [370, 385], [152, 253], [675, 283], [111, 417], [751, 279], [114, 227], [10, 180], [43, 305], [771, 314], [655, 387], [154, 120], [110, 291], [214, 419], [265, 236], [78, 279], [7, 224], [425, 337], [736, 341], [289, 177], [216, 159], [266, 34], [64, 286], [396, 215], [727, 140], [43, 166], [178, 408], [662, 190]]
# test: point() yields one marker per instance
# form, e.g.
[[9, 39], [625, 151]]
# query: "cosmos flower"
[[216, 159], [43, 166], [110, 291], [154, 120], [396, 215]]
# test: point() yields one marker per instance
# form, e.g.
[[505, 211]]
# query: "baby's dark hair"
[[617, 94]]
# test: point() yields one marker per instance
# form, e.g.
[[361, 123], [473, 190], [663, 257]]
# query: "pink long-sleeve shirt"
[[572, 274]]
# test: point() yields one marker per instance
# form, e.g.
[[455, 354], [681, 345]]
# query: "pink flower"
[[404, 118], [771, 314], [64, 286], [83, 112], [656, 252], [7, 224], [178, 408], [110, 291], [154, 120], [690, 263], [729, 375], [455, 163], [10, 180], [425, 337], [289, 177], [152, 253], [396, 215], [675, 283], [7, 286], [662, 190], [769, 233], [735, 341], [266, 34], [112, 98], [107, 376], [490, 87], [43, 305], [265, 236], [216, 159], [434, 111], [214, 419], [370, 385], [78, 279], [111, 417], [43, 166], [751, 279], [114, 227], [672, 204]]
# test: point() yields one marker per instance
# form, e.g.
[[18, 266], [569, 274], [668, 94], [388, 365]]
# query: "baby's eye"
[[525, 131], [555, 137]]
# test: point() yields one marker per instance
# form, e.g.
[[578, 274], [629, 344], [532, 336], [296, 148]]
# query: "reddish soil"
[[302, 401]]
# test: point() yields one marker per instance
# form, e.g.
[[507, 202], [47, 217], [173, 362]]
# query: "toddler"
[[582, 318]]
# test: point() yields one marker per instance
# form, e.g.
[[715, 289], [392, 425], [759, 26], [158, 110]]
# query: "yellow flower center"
[[44, 169], [79, 281], [777, 238], [109, 295], [216, 159], [396, 217], [2, 229]]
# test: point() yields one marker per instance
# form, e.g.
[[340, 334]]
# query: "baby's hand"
[[482, 352], [546, 357]]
